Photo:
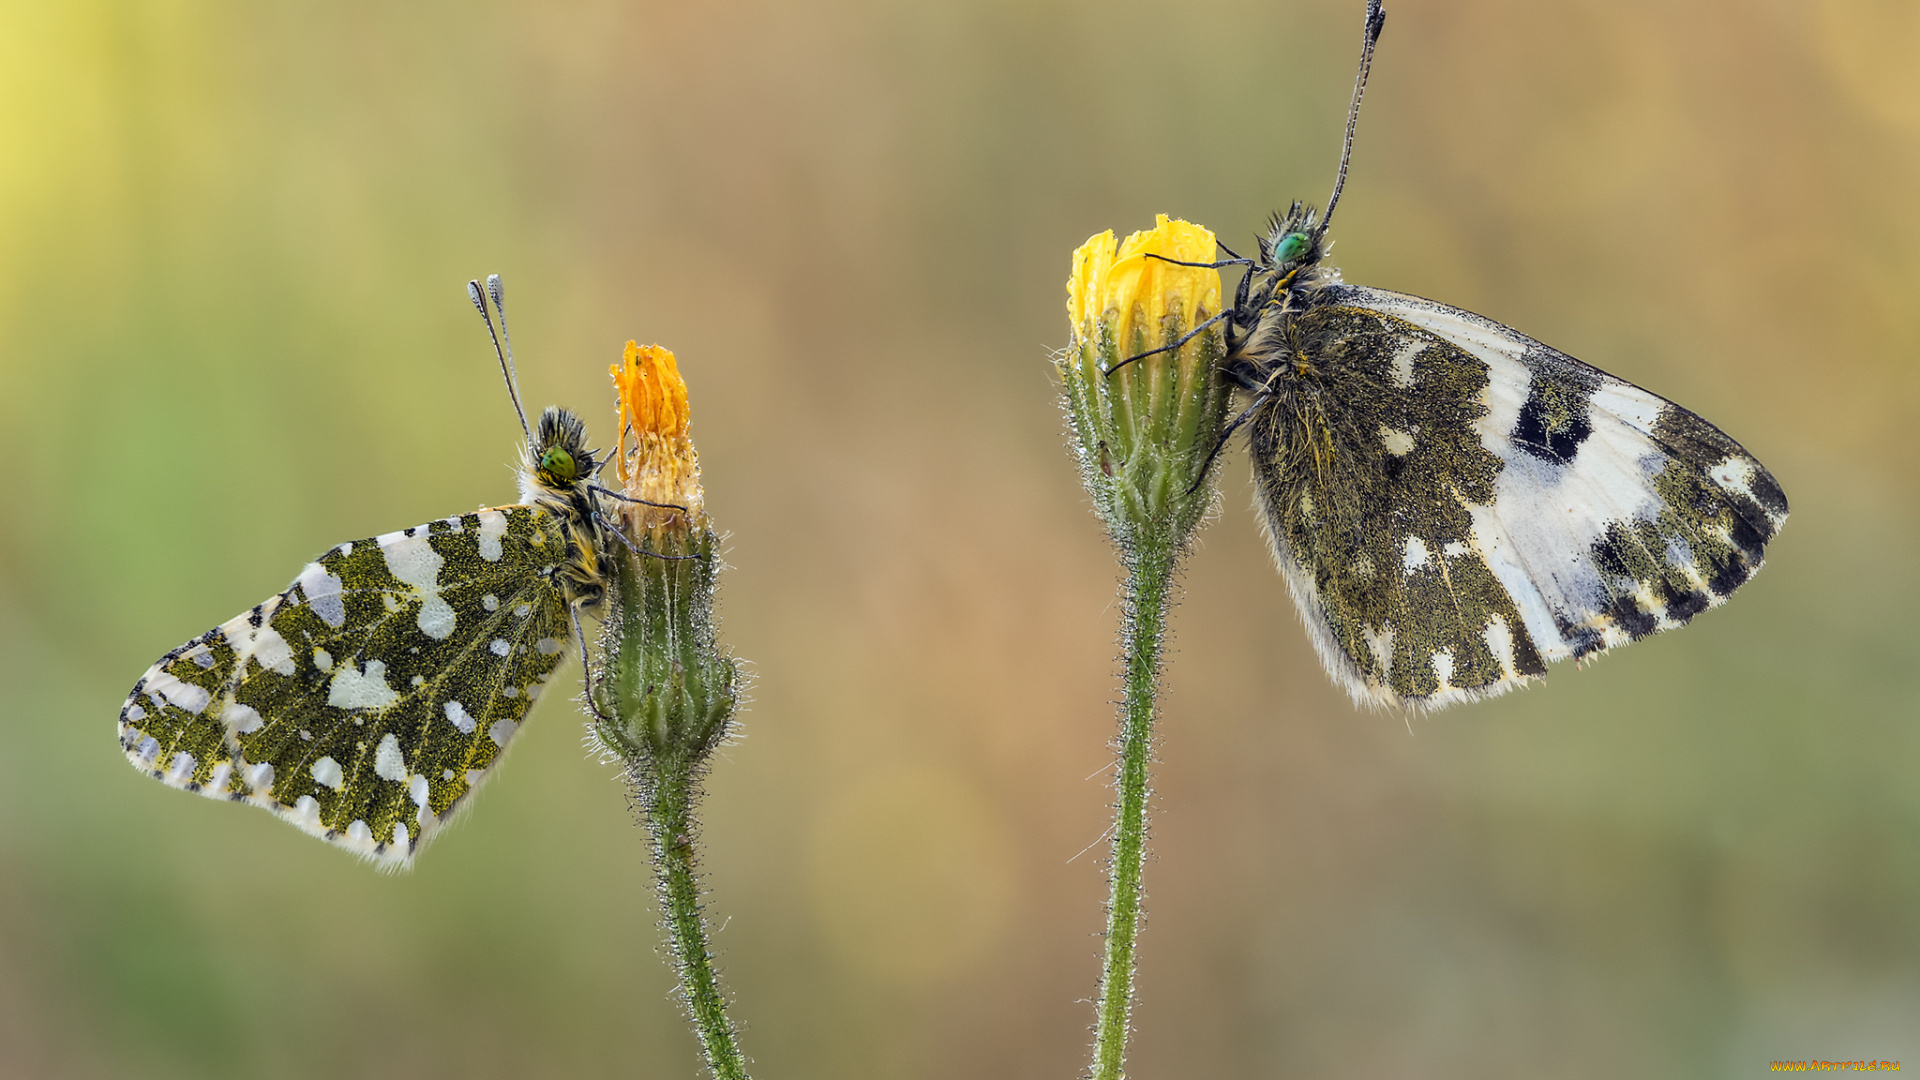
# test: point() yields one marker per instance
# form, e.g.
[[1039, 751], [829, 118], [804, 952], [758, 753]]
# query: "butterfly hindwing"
[[1454, 504], [366, 701]]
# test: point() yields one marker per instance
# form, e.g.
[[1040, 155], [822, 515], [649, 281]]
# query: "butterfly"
[[1454, 505], [368, 700]]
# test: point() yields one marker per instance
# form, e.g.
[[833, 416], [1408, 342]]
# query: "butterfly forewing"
[[367, 700], [1454, 504]]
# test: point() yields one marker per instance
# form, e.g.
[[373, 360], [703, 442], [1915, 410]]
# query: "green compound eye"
[[558, 464], [1291, 247]]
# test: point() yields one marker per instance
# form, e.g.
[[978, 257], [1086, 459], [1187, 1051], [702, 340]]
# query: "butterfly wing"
[[1454, 504], [364, 702]]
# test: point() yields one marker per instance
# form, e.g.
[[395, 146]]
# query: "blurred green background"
[[233, 244]]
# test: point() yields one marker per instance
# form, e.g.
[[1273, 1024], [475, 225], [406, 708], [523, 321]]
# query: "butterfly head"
[[1289, 265], [558, 458], [1293, 244]]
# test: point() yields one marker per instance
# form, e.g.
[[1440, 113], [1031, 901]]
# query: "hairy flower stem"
[[1149, 582], [670, 804]]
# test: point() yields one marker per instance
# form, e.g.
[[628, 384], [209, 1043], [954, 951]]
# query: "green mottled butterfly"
[[365, 702], [1454, 504]]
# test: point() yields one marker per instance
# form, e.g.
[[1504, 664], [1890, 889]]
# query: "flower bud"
[[1144, 430], [672, 690]]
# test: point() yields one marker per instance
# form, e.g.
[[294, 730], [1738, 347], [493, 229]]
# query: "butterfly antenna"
[[505, 353], [1376, 19]]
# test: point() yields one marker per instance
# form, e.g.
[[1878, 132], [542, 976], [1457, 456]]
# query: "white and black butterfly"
[[1454, 504]]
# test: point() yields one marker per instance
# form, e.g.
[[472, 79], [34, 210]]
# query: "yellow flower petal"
[[1139, 292], [661, 466]]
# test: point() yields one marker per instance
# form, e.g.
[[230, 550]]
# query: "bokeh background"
[[233, 244]]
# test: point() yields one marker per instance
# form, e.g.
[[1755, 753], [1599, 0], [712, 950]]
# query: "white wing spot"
[[323, 659], [1403, 363], [306, 814], [178, 694], [1734, 475], [1381, 645], [272, 651], [388, 762], [502, 730], [1499, 638], [490, 602], [417, 790], [322, 590], [260, 777], [1443, 668], [417, 680], [353, 690], [457, 715], [264, 645], [499, 647], [549, 646], [1638, 408], [521, 611], [412, 559], [327, 771], [241, 719], [493, 525], [436, 618], [359, 833], [1454, 549], [1416, 555], [135, 714], [183, 766], [1399, 443]]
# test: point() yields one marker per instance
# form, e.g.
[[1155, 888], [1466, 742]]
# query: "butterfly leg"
[[586, 667], [1239, 375], [628, 498], [1235, 261], [609, 525], [1227, 433], [1184, 338]]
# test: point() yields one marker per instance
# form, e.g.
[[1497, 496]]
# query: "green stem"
[[1149, 581], [669, 796]]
